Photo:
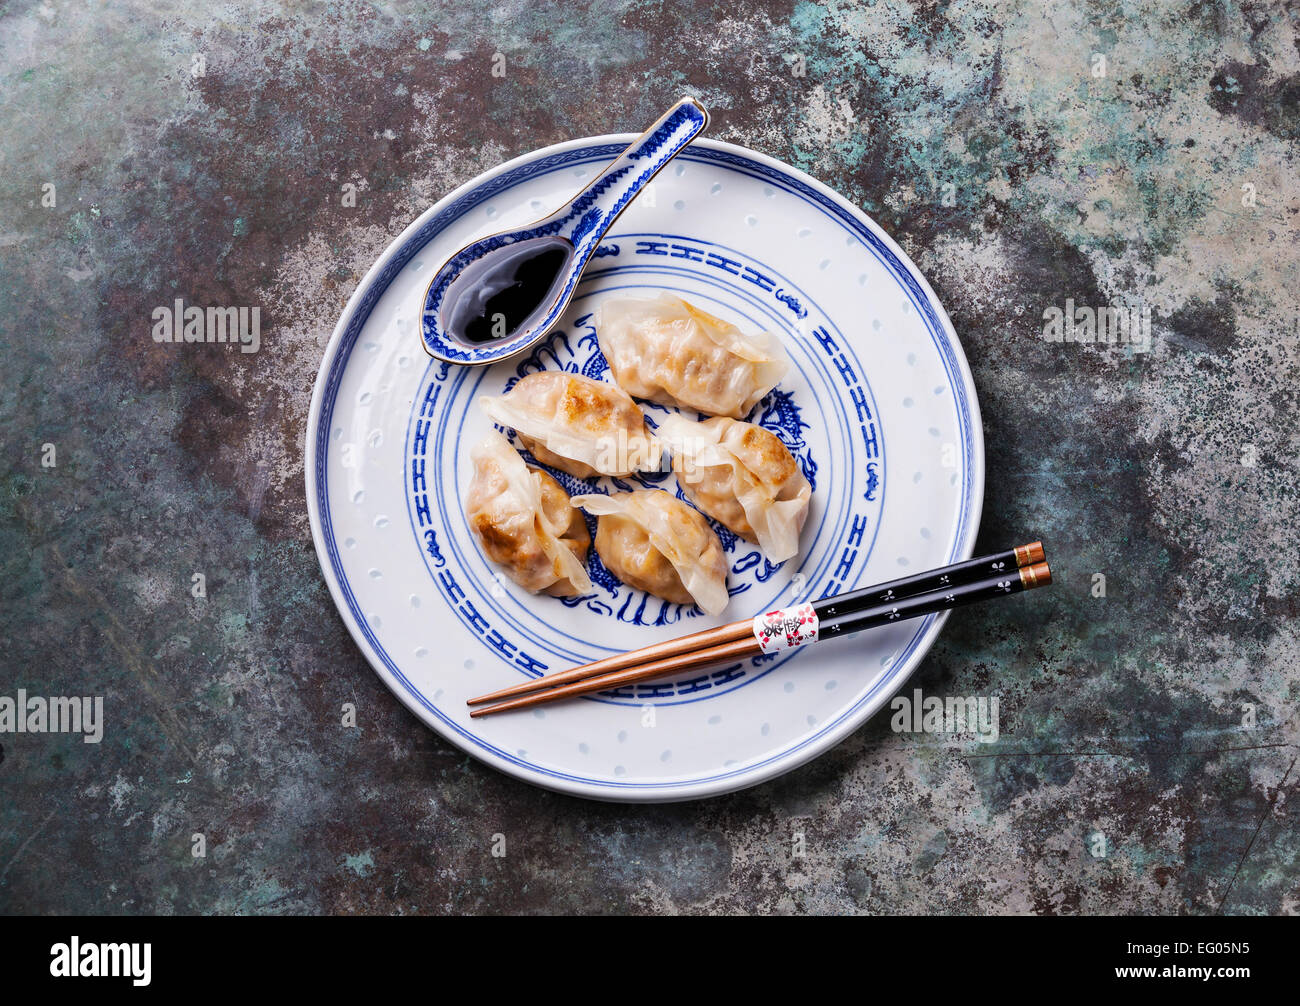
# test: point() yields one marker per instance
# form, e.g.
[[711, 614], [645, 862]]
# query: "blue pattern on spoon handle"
[[590, 214], [582, 221]]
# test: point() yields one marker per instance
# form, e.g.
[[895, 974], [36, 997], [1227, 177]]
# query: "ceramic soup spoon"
[[504, 293]]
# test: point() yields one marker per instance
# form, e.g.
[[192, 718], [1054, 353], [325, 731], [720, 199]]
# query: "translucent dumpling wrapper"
[[578, 425], [664, 350], [523, 521], [654, 542], [742, 476]]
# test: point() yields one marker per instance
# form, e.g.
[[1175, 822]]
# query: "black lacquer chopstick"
[[946, 578], [971, 592]]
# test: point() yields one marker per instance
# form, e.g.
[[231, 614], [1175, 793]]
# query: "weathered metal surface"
[[1127, 776]]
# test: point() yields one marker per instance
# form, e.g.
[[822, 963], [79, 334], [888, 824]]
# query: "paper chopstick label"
[[786, 628]]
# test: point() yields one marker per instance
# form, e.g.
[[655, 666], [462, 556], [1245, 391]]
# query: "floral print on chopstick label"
[[786, 628]]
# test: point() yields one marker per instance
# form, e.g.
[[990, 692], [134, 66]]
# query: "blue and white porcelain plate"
[[878, 408]]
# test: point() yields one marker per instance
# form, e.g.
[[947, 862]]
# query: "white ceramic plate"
[[879, 409]]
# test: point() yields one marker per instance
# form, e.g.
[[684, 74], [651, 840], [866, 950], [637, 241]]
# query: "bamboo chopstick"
[[986, 588], [953, 575]]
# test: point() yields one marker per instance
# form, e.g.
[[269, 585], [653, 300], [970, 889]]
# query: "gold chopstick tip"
[[1027, 555], [1037, 575]]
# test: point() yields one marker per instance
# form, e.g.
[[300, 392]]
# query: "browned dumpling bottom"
[[654, 542], [626, 550], [513, 537], [717, 492], [576, 424]]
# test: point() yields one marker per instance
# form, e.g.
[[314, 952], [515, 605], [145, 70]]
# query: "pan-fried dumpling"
[[667, 351], [577, 425], [654, 542], [742, 476], [523, 520]]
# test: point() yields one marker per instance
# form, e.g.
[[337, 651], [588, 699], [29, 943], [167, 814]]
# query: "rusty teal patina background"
[[980, 136]]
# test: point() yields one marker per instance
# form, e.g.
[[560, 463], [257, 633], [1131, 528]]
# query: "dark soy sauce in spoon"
[[499, 294]]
